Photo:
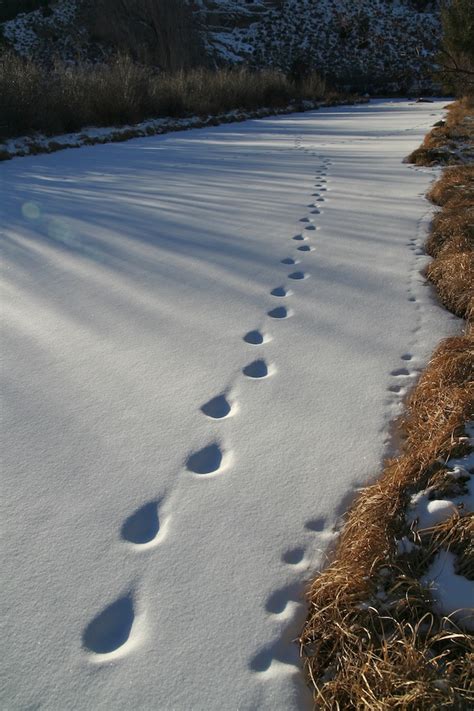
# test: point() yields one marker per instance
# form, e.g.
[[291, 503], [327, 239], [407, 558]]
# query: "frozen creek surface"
[[206, 337]]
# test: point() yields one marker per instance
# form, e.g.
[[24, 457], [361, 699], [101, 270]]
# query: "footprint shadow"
[[143, 525], [111, 628], [280, 312], [217, 408], [206, 461], [255, 338], [257, 369]]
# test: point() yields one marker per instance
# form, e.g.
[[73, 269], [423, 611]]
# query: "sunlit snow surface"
[[190, 400]]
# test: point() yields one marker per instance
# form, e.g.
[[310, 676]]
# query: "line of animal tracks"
[[113, 628], [207, 336]]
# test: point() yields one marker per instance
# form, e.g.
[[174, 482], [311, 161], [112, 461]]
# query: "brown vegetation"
[[372, 640], [370, 635], [451, 241], [67, 98], [453, 277], [160, 33], [452, 142]]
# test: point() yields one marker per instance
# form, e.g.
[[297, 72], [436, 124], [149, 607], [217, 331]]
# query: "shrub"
[[161, 33], [72, 96], [457, 53]]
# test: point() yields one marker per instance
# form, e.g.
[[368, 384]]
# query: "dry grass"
[[372, 640], [366, 652], [453, 276], [450, 143], [67, 98], [451, 242], [456, 187], [452, 230]]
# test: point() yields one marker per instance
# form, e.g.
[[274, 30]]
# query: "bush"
[[457, 53], [161, 33], [70, 97]]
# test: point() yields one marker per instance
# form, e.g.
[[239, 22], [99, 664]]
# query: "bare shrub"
[[69, 97], [162, 33]]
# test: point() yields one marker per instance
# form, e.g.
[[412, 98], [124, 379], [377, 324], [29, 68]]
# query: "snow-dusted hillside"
[[371, 45], [375, 45]]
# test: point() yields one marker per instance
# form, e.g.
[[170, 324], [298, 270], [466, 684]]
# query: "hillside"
[[377, 46]]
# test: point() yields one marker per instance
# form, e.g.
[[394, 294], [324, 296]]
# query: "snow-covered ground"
[[163, 504]]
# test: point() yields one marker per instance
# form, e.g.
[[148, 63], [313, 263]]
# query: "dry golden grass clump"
[[456, 187], [372, 640], [451, 142], [451, 227], [453, 276], [451, 241]]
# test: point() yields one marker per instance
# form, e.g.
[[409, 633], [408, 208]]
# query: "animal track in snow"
[[406, 356], [281, 291], [298, 275], [282, 654], [400, 371], [300, 238], [311, 228], [143, 526], [256, 338], [206, 461], [289, 260], [262, 661], [305, 248], [280, 312], [316, 524], [279, 599], [217, 408], [315, 212], [306, 219], [111, 628], [256, 370], [294, 556]]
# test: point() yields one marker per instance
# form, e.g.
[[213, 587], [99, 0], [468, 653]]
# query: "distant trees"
[[158, 32], [456, 62]]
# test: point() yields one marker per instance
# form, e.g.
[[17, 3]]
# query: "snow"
[[405, 546], [430, 513], [453, 594], [24, 145], [163, 502]]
